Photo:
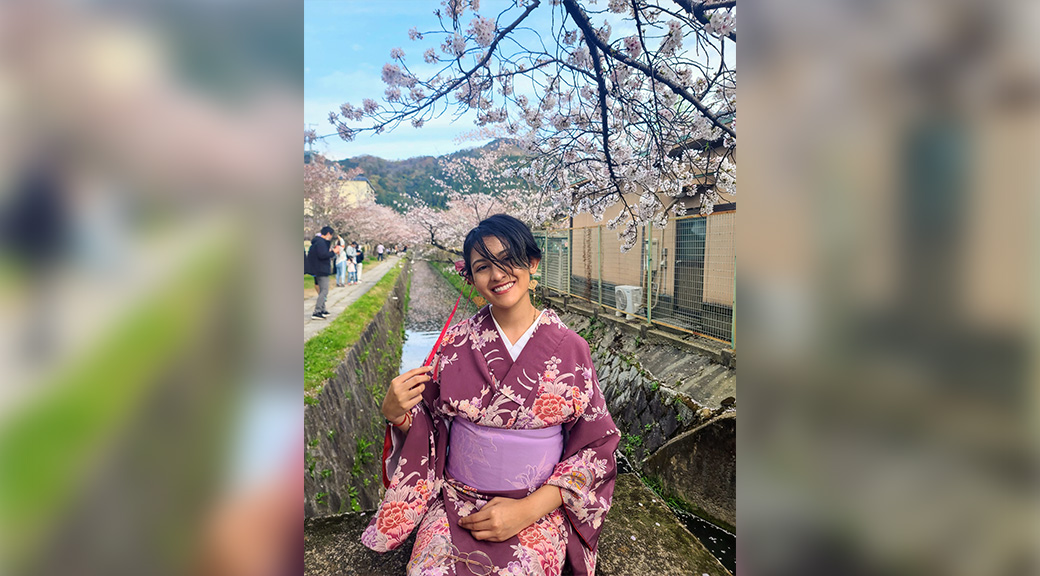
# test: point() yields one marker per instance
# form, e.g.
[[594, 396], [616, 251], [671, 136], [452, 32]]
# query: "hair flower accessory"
[[460, 267]]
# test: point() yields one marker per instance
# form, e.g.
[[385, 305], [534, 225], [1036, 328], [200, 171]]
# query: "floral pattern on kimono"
[[551, 383]]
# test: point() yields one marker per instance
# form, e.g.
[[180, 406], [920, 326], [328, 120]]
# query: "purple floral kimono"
[[514, 427]]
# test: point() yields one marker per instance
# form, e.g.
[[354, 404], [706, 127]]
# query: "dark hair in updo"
[[515, 237]]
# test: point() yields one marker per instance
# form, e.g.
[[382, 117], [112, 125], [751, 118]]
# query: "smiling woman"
[[502, 450], [499, 263]]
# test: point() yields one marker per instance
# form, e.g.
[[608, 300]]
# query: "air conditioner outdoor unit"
[[628, 298]]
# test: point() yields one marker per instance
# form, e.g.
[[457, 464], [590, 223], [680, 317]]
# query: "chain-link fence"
[[689, 267]]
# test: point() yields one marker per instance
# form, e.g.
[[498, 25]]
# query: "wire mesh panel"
[[556, 259], [705, 264], [681, 276]]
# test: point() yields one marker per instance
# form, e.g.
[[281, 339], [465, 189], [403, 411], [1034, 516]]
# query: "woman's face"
[[503, 289]]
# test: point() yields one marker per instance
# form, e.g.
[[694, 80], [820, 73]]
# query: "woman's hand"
[[404, 393], [499, 520], [502, 518]]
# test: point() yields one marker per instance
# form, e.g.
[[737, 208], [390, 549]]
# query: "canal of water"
[[429, 304]]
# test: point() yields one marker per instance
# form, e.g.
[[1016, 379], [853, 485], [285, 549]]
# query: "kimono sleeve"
[[393, 442], [415, 467], [587, 472]]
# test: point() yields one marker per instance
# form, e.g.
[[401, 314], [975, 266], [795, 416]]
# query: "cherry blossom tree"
[[446, 229], [366, 222], [324, 204], [494, 181], [477, 187], [614, 99], [372, 223]]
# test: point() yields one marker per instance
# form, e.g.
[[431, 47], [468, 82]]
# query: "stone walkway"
[[341, 297]]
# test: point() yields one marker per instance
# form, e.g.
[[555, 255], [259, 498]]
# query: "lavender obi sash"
[[492, 459]]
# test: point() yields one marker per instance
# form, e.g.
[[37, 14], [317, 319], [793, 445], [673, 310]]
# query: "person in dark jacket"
[[320, 260], [34, 227]]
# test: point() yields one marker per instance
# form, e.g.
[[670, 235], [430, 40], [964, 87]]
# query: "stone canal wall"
[[344, 429], [674, 402]]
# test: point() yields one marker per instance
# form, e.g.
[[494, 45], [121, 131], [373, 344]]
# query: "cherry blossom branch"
[[582, 21], [466, 76], [602, 88], [621, 116], [698, 9]]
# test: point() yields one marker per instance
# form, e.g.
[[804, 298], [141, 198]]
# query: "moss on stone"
[[661, 545]]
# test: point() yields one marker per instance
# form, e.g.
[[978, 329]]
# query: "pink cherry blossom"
[[604, 120], [633, 46], [392, 75], [721, 23], [483, 30]]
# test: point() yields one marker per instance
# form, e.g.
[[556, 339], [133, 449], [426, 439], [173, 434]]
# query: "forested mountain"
[[397, 182]]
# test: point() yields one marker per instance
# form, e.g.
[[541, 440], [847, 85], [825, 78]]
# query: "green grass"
[[676, 502], [49, 447], [323, 352], [407, 296], [448, 271], [10, 275], [308, 282]]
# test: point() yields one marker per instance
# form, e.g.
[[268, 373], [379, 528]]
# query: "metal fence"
[[689, 267]]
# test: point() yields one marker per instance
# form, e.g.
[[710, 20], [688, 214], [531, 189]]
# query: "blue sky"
[[346, 43]]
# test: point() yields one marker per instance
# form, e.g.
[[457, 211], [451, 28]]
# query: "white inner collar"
[[515, 349]]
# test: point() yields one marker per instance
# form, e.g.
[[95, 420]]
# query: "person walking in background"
[[359, 258], [379, 252], [319, 259], [341, 263], [35, 226]]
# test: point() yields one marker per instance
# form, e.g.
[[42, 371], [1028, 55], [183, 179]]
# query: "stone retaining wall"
[[344, 430], [701, 467], [658, 390]]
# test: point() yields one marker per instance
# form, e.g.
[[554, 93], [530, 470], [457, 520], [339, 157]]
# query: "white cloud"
[[435, 139]]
